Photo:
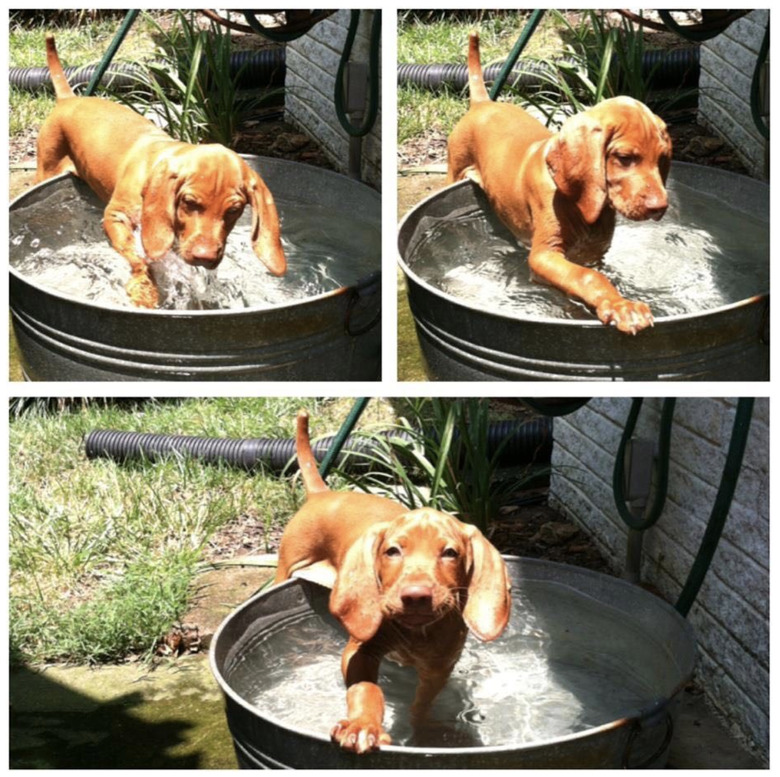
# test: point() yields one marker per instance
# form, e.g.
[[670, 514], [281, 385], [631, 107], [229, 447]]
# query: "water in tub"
[[565, 664], [59, 244], [701, 255]]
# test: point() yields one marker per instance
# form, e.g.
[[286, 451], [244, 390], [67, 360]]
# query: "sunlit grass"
[[95, 542], [77, 45], [444, 39]]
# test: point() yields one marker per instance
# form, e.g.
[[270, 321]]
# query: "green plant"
[[600, 61], [612, 56], [441, 459], [189, 83]]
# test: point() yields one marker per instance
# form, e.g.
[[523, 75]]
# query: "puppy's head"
[[417, 569], [194, 197], [617, 153]]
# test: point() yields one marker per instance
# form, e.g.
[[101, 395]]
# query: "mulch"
[[542, 532], [280, 140]]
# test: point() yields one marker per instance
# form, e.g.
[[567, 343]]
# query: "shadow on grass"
[[55, 727]]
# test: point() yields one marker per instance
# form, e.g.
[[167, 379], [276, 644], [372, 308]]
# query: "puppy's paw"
[[627, 316], [359, 736], [142, 291]]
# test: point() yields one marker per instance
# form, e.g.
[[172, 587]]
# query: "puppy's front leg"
[[119, 230], [592, 287], [431, 681], [361, 731]]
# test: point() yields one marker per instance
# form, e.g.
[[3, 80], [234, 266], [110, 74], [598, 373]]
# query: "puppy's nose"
[[417, 597], [655, 206], [656, 213], [205, 255]]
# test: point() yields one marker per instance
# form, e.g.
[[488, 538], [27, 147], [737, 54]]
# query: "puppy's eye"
[[450, 553], [393, 551], [625, 160], [234, 210], [189, 203]]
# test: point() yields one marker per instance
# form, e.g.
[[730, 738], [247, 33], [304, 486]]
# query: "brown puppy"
[[561, 192], [176, 192], [409, 585]]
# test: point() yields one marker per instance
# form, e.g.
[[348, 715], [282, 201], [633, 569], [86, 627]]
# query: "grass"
[[83, 44], [103, 556], [189, 85], [445, 40]]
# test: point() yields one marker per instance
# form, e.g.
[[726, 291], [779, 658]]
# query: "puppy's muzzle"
[[205, 255]]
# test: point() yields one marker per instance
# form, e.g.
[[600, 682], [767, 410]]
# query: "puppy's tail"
[[312, 481], [61, 86], [477, 91]]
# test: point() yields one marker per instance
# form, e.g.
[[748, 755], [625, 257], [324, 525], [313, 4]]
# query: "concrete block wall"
[[731, 614], [312, 63], [727, 64]]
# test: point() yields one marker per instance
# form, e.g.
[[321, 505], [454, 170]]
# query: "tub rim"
[[548, 320], [455, 751]]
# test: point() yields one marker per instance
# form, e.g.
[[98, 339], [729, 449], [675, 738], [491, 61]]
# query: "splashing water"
[[566, 663], [702, 255], [59, 244]]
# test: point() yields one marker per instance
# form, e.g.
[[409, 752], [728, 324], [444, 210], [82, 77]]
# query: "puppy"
[[409, 585], [177, 193], [560, 192]]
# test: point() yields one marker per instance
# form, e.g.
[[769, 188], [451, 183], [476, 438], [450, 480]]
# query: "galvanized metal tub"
[[461, 341], [640, 738], [331, 336]]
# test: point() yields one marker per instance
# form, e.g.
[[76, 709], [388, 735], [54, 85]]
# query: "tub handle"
[[366, 287], [651, 717]]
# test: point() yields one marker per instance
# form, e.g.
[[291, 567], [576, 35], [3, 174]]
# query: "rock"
[[703, 146], [291, 142], [555, 533]]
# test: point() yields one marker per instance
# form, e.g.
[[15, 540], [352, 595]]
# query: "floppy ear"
[[665, 163], [575, 159], [266, 240], [157, 209], [355, 596], [487, 610]]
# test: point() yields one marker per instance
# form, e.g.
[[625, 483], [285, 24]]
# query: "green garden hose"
[[755, 87], [554, 407], [100, 70], [276, 34], [522, 41], [338, 441], [720, 509]]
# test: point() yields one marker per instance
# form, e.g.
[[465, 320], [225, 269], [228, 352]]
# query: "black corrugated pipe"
[[531, 441], [529, 76], [679, 67], [263, 68]]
